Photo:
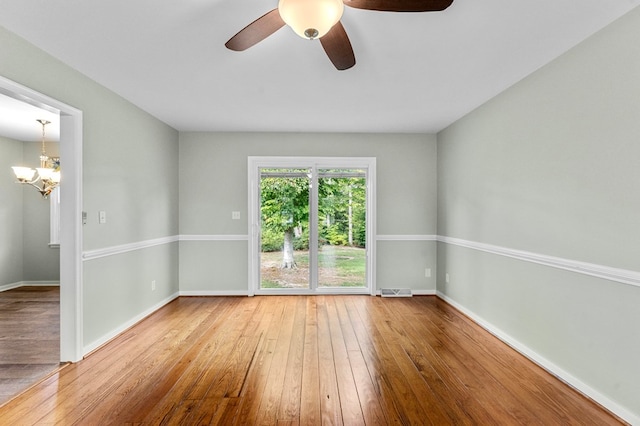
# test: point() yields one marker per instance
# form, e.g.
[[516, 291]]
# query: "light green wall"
[[403, 263], [11, 217], [41, 263], [213, 183], [24, 219], [218, 267], [551, 166], [130, 162], [114, 304]]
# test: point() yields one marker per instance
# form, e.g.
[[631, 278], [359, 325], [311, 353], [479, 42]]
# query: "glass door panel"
[[284, 228], [342, 228]]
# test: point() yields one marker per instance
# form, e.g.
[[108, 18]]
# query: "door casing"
[[71, 348]]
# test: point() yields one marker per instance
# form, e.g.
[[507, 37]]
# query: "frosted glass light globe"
[[311, 18]]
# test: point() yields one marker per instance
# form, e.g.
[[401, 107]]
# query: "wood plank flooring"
[[29, 337], [304, 360]]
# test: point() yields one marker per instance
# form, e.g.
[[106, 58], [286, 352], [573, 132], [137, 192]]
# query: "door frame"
[[255, 163], [70, 214]]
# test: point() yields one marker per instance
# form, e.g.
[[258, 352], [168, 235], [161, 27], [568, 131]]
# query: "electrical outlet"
[[427, 273], [446, 277], [153, 285], [235, 215], [102, 217]]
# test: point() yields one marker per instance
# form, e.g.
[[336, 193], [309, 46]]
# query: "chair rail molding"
[[140, 245], [623, 276], [387, 237], [223, 237], [124, 248]]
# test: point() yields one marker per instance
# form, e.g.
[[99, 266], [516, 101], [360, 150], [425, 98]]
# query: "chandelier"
[[44, 178]]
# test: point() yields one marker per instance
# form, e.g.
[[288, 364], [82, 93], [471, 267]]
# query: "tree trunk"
[[288, 262]]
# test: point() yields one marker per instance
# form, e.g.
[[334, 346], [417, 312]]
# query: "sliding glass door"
[[284, 228], [311, 221], [342, 231]]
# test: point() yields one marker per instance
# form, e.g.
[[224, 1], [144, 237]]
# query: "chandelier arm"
[[32, 183], [44, 190]]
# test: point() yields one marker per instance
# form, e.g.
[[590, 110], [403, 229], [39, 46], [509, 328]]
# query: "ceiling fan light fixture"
[[311, 19]]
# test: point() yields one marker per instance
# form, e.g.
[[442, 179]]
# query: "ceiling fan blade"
[[400, 5], [338, 47], [256, 31]]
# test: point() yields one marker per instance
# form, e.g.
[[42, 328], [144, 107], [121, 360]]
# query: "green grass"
[[338, 266]]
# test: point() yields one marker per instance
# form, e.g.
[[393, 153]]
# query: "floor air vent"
[[395, 292]]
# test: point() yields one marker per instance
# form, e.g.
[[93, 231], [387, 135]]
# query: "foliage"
[[336, 237], [284, 208], [334, 211], [301, 242], [284, 202], [270, 240]]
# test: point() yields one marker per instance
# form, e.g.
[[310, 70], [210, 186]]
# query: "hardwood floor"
[[29, 337], [304, 360]]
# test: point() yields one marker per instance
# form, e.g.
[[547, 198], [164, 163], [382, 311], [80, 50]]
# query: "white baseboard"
[[417, 292], [115, 332], [10, 286], [214, 293], [423, 292], [245, 293], [40, 283], [552, 368]]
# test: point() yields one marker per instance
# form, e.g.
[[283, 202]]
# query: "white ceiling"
[[414, 72], [18, 121]]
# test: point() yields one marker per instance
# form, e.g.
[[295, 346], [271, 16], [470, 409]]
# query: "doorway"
[[312, 225], [71, 348]]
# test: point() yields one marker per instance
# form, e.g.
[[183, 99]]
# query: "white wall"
[[213, 183], [130, 162], [551, 167]]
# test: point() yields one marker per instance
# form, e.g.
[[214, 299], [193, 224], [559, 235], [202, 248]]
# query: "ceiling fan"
[[320, 19]]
